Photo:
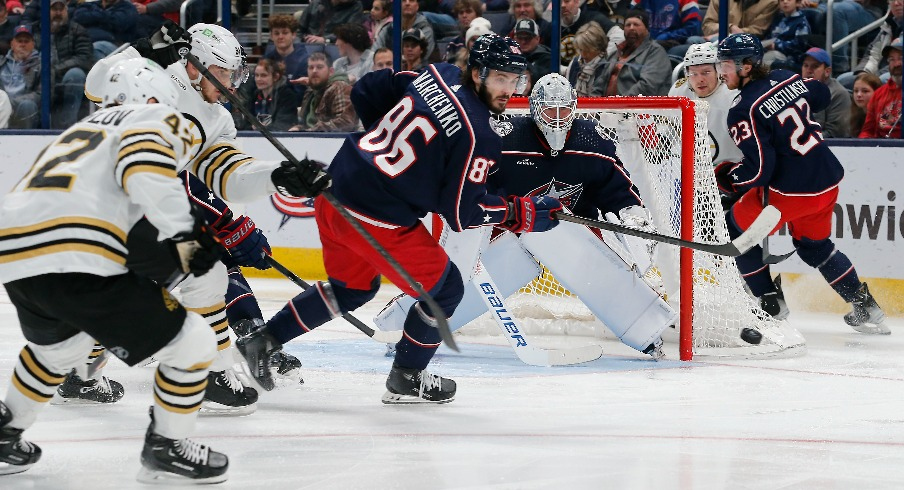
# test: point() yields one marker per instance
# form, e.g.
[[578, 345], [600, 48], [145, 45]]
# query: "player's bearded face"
[[208, 91], [497, 88], [729, 72]]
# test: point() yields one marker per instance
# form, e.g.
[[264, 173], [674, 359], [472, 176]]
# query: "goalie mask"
[[135, 81], [215, 46], [553, 104]]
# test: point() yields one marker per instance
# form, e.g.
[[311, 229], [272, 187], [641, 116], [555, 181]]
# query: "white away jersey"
[[216, 158], [74, 208], [721, 145]]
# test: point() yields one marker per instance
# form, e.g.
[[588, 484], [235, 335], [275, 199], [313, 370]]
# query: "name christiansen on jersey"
[[780, 99]]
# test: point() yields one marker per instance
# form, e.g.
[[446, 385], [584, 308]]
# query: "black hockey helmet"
[[494, 52], [741, 48]]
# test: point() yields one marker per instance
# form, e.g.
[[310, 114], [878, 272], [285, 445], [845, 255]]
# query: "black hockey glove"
[[165, 45], [198, 250], [306, 179], [724, 179], [531, 214]]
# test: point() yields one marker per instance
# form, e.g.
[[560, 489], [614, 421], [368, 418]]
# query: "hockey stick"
[[378, 335], [760, 228], [769, 259], [514, 333], [435, 310]]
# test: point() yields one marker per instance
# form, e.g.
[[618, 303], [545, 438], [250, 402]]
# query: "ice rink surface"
[[832, 419]]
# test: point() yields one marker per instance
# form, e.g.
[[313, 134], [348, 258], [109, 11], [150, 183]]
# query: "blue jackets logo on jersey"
[[568, 195]]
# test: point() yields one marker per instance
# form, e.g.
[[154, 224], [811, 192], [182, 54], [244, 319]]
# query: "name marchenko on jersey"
[[438, 102]]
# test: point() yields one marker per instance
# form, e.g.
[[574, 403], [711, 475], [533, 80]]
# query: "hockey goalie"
[[553, 154]]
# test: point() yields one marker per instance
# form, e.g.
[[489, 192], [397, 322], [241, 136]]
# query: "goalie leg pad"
[[609, 287], [510, 265]]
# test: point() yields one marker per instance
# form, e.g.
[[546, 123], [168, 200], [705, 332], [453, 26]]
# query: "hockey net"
[[663, 142]]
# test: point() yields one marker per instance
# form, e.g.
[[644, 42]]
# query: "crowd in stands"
[[304, 75]]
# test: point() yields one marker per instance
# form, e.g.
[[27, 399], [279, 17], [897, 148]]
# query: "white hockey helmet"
[[214, 45], [135, 81], [553, 104], [701, 54]]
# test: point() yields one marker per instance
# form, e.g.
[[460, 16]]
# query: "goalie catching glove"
[[304, 179], [198, 250], [164, 46], [531, 214], [636, 218], [246, 244]]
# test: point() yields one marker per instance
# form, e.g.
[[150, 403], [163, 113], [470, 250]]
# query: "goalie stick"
[[435, 310], [514, 333], [752, 237], [378, 335]]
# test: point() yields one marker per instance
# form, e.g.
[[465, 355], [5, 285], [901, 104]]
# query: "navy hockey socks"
[[419, 341], [834, 266], [240, 301]]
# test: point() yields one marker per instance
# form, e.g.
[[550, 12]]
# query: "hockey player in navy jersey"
[[553, 154], [428, 147], [786, 161]]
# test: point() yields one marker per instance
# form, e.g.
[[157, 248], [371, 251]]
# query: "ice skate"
[[285, 367], [225, 395], [406, 386], [16, 454], [78, 391], [257, 347], [866, 316], [654, 350], [179, 461], [773, 303]]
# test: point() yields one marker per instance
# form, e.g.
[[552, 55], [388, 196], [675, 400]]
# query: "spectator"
[[465, 11], [530, 9], [539, 58], [790, 32], [15, 8], [380, 17], [574, 16], [20, 78], [5, 110], [326, 105], [354, 49], [585, 68], [883, 113], [319, 21], [382, 59], [864, 87], [478, 28], [110, 23], [274, 103], [152, 13], [285, 47], [873, 61], [847, 17], [834, 119], [640, 66], [410, 18], [71, 58], [750, 16], [6, 26], [413, 46], [671, 21]]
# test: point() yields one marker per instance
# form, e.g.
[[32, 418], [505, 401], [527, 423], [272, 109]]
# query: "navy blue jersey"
[[428, 147], [783, 147], [585, 176]]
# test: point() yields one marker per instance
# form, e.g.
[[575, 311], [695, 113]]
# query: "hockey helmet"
[[134, 81], [553, 106], [701, 54], [741, 48], [494, 52], [216, 46]]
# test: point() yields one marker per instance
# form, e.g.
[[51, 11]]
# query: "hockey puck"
[[751, 336]]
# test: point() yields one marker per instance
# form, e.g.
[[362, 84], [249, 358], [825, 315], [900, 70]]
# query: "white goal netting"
[[653, 136]]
